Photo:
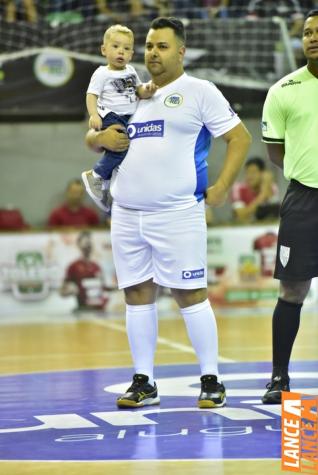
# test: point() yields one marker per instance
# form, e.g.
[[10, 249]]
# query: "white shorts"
[[169, 247]]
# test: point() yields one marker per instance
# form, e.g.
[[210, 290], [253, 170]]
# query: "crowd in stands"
[[255, 199], [71, 213], [120, 10]]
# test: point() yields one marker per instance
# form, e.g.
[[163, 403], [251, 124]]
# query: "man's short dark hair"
[[312, 13], [257, 161], [170, 22]]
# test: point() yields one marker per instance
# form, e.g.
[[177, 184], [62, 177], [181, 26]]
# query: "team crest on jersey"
[[284, 253], [173, 100]]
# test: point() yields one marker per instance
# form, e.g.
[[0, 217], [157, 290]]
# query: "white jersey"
[[170, 134], [116, 90]]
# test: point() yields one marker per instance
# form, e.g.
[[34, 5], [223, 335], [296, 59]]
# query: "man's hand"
[[114, 138], [266, 190], [216, 196], [147, 90]]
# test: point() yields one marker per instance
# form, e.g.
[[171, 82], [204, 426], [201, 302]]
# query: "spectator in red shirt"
[[11, 219], [73, 213], [257, 197], [84, 278]]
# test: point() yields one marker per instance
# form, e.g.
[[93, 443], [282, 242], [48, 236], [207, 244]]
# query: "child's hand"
[[95, 122], [147, 90]]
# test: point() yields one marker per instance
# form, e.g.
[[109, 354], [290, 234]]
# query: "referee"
[[290, 130]]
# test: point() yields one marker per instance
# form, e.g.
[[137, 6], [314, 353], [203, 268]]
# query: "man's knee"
[[294, 292], [187, 297], [141, 294]]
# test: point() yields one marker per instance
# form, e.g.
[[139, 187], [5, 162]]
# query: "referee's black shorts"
[[297, 247]]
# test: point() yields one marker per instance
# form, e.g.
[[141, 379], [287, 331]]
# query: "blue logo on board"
[[193, 274], [152, 128]]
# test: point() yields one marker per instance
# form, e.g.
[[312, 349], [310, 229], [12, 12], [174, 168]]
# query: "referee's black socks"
[[285, 325]]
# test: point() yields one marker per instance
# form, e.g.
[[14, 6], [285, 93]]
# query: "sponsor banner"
[[72, 415], [56, 272], [59, 272], [48, 84], [241, 262], [53, 69]]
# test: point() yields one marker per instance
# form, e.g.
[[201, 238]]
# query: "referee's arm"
[[276, 152], [273, 127]]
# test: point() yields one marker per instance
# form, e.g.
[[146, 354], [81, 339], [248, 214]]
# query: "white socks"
[[142, 331], [202, 331]]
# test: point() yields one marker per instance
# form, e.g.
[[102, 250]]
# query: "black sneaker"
[[140, 393], [212, 392], [275, 387]]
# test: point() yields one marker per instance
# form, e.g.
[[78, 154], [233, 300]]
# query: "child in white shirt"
[[112, 98]]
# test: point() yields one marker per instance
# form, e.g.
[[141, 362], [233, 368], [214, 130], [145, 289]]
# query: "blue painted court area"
[[71, 415]]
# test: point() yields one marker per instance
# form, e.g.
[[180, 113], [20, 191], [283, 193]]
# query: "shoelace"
[[136, 386], [209, 387], [271, 385]]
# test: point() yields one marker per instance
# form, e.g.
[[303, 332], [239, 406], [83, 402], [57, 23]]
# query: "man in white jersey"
[[290, 126], [158, 214]]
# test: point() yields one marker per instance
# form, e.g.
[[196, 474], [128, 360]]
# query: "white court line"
[[50, 356], [163, 341]]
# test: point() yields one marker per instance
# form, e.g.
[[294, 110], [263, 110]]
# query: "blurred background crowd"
[[48, 51], [38, 10]]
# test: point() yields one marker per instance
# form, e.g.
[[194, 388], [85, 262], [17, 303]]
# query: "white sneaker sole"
[[145, 402], [208, 404]]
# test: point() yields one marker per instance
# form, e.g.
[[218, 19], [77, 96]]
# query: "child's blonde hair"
[[117, 29]]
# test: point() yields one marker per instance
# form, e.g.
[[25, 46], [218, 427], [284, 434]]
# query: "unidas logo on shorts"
[[193, 274], [152, 128]]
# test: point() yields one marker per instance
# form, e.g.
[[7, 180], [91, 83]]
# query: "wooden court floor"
[[44, 345]]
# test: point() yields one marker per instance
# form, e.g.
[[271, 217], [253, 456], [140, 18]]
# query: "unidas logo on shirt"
[[152, 128]]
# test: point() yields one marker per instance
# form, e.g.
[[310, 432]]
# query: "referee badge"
[[284, 253]]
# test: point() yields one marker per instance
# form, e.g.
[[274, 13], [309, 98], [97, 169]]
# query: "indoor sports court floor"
[[59, 380]]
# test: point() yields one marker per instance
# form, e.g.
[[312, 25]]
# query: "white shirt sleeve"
[[97, 81], [217, 114]]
